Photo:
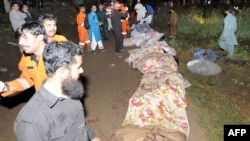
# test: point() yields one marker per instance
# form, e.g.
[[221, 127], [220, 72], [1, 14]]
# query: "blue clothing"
[[94, 27], [150, 9]]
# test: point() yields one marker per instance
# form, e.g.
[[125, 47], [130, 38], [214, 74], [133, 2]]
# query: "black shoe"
[[93, 52]]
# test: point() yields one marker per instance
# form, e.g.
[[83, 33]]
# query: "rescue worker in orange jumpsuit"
[[82, 31], [125, 21], [32, 39]]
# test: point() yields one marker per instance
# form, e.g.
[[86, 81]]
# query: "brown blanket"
[[147, 133]]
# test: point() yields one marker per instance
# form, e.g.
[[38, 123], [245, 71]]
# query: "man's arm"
[[26, 131], [90, 132], [20, 84]]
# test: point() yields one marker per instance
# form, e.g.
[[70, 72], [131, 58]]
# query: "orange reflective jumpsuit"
[[125, 22], [32, 73], [82, 31]]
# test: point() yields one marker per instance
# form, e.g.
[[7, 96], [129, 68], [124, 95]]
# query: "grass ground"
[[223, 98]]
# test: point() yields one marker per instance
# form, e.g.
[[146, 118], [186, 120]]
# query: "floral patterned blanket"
[[160, 98]]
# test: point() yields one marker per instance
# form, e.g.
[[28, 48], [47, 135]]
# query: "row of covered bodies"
[[157, 109]]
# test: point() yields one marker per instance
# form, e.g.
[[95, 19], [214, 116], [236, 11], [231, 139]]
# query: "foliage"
[[243, 18], [194, 22], [205, 22]]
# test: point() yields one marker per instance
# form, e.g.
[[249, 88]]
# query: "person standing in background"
[[102, 17], [94, 30], [6, 6], [116, 16], [125, 21], [17, 18], [25, 9], [140, 11], [228, 40], [109, 10], [173, 22], [82, 31], [150, 12]]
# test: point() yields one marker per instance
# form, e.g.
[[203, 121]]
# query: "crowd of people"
[[115, 17], [5, 4], [52, 64]]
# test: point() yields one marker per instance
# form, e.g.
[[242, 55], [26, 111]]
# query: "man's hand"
[[224, 39], [96, 139], [3, 87]]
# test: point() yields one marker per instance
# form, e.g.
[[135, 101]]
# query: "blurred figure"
[[228, 40], [108, 13], [116, 17], [140, 11], [25, 9], [102, 17], [173, 22], [94, 30], [38, 3], [17, 18], [125, 21], [6, 6], [82, 31], [150, 13]]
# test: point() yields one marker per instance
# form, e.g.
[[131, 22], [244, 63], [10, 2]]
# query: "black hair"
[[13, 3], [60, 54], [24, 5], [81, 5], [33, 28], [46, 16], [228, 9]]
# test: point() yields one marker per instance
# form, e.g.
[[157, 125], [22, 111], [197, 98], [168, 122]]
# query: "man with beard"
[[49, 23], [55, 111]]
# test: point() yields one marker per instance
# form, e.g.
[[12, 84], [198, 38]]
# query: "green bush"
[[205, 22]]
